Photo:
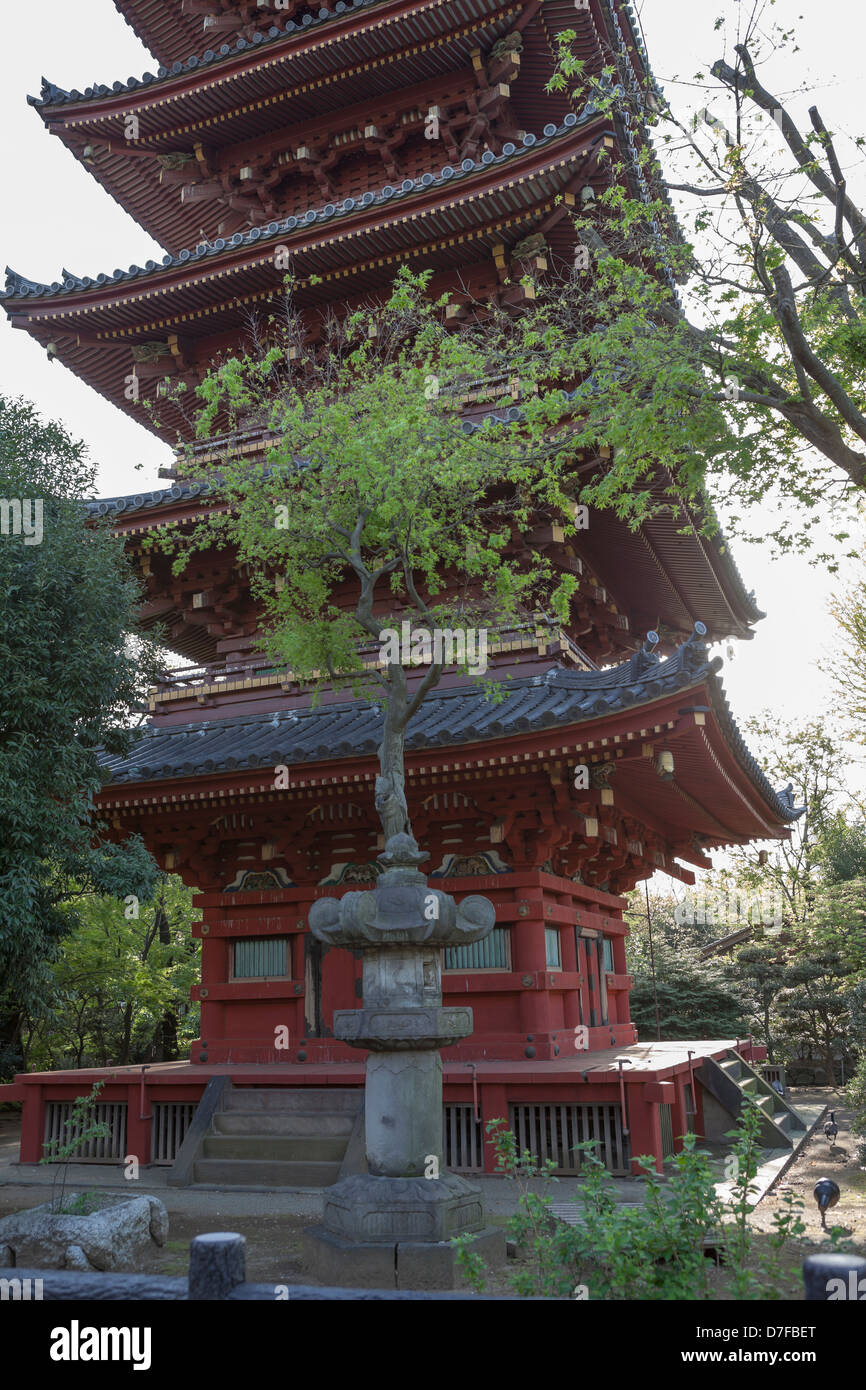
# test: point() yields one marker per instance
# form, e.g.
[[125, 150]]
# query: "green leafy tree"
[[761, 973], [848, 664], [671, 923], [695, 999], [838, 923], [842, 849], [855, 1097], [121, 984], [373, 506], [814, 1006], [754, 384], [70, 681], [811, 761]]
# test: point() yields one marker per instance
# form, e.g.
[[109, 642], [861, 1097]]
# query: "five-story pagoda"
[[305, 130]]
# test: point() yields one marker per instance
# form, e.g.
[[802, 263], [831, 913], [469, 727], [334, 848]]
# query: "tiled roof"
[[138, 501], [18, 287], [447, 718], [52, 95]]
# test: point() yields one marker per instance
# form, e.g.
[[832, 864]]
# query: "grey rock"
[[76, 1259], [112, 1238]]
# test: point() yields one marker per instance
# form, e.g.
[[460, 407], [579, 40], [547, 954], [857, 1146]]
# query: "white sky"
[[57, 216]]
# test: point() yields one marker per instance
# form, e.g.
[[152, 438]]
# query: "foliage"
[[756, 384], [761, 973], [838, 922], [373, 506], [671, 928], [120, 985], [82, 1204], [814, 1006], [79, 1129], [653, 1251], [842, 849], [855, 1099], [70, 681], [848, 665], [754, 1275], [808, 758], [695, 998]]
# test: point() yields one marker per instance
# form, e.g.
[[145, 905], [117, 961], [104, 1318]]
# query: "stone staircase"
[[732, 1078], [271, 1136]]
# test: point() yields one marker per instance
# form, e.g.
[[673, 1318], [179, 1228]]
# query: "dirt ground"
[[821, 1159]]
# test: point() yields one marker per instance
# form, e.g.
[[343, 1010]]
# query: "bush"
[[652, 1251]]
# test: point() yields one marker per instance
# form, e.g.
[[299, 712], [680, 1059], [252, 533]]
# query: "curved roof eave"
[[449, 717], [51, 95], [19, 288]]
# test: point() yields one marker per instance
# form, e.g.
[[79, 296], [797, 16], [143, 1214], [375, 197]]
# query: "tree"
[[694, 997], [121, 984], [809, 759], [70, 681], [761, 974], [842, 849], [814, 1007], [374, 508], [837, 922], [848, 665], [759, 375], [671, 926]]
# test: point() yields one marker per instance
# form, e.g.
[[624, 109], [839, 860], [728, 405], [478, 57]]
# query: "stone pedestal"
[[391, 1227]]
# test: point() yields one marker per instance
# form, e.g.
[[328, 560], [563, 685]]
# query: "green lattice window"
[[493, 953], [261, 958]]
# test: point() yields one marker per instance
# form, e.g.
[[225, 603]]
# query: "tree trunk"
[[391, 783], [830, 1068], [10, 1036], [127, 1036]]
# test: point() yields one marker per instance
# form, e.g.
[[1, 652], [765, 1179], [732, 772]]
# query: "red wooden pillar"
[[645, 1134], [680, 1117], [32, 1125], [570, 965], [137, 1128], [529, 958], [494, 1106]]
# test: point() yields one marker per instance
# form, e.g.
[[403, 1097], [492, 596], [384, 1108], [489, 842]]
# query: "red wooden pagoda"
[[306, 131]]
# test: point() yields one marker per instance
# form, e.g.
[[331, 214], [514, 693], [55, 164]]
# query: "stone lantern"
[[392, 1224]]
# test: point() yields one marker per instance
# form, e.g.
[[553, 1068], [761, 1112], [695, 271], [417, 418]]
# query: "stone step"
[[244, 1172], [785, 1120], [306, 1099], [294, 1123], [279, 1147]]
